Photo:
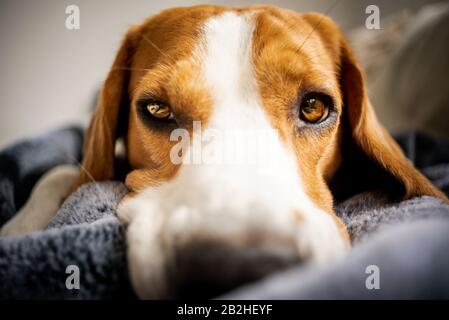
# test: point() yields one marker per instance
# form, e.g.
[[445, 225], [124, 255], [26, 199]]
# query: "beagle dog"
[[256, 69]]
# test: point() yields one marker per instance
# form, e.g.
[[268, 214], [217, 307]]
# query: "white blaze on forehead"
[[227, 65], [228, 70]]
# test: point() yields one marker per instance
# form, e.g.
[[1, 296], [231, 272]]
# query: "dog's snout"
[[215, 263]]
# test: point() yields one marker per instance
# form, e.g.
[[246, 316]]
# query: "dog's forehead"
[[174, 44], [175, 33]]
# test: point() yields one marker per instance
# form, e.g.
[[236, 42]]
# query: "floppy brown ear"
[[112, 106], [372, 139]]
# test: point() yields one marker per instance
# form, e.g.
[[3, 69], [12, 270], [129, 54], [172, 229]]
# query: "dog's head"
[[256, 67], [291, 81]]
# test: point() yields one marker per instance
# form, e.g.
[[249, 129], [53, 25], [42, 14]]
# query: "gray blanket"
[[406, 241]]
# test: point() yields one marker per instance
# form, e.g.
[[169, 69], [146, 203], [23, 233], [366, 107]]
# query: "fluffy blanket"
[[406, 241]]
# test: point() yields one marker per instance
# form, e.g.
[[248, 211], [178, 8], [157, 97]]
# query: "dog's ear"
[[110, 114], [370, 150]]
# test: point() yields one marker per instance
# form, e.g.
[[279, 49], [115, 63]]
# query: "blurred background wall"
[[49, 75]]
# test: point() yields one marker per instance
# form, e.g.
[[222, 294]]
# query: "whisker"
[[130, 69], [318, 23], [158, 49], [89, 175]]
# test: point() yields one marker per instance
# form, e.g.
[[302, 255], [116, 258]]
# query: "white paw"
[[43, 203], [12, 228]]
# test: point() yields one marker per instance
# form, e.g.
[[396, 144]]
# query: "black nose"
[[209, 267]]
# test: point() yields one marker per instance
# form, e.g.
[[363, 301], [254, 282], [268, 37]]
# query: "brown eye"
[[159, 110], [314, 110]]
